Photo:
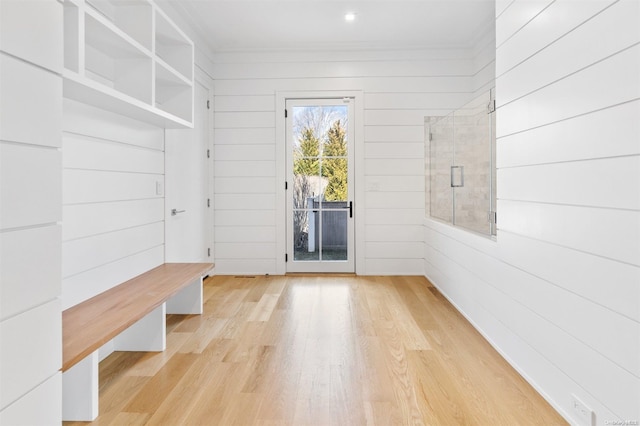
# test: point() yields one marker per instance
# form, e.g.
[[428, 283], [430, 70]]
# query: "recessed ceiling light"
[[349, 17]]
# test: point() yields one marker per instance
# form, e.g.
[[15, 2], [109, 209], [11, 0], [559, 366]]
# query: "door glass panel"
[[334, 232], [320, 207], [304, 222], [441, 158], [473, 157], [461, 166]]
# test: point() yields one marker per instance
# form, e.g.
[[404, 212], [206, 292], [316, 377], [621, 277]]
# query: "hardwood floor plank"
[[320, 350], [159, 386]]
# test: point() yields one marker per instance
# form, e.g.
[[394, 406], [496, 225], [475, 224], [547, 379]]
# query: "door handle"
[[176, 211], [350, 207], [461, 168]]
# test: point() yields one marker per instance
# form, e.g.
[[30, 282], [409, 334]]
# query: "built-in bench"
[[133, 316]]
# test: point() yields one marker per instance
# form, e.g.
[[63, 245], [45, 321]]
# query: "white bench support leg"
[[146, 335], [188, 300], [80, 390]]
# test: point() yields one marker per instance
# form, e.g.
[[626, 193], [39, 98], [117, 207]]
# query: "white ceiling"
[[239, 25]]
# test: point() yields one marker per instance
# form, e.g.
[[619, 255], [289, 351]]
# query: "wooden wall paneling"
[[244, 119], [90, 186], [609, 182], [249, 136], [258, 86], [244, 168], [517, 15], [28, 362], [87, 253], [247, 234], [565, 225], [394, 150], [579, 138], [37, 407], [548, 378], [419, 101], [394, 249], [29, 96], [246, 251], [608, 382], [286, 57], [398, 94], [394, 266], [85, 152], [83, 220], [245, 185], [21, 41], [501, 6], [33, 195], [412, 117], [588, 322], [394, 167], [393, 233], [245, 152], [392, 216], [24, 287], [484, 79], [233, 218], [614, 79], [342, 69], [245, 201], [557, 20], [393, 183], [244, 103], [82, 286], [83, 119], [257, 266], [385, 84], [579, 273], [623, 16], [403, 200], [414, 133]]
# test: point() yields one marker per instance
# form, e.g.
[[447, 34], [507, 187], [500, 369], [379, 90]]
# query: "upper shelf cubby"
[[129, 57], [173, 46], [133, 17]]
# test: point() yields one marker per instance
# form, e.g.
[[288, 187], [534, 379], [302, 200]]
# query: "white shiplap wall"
[[399, 89], [30, 214], [113, 213], [558, 293]]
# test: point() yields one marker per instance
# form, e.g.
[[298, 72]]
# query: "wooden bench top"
[[90, 324]]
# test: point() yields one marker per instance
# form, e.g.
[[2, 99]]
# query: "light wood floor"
[[323, 350]]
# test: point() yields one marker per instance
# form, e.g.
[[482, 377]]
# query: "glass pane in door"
[[320, 208], [441, 157], [472, 201]]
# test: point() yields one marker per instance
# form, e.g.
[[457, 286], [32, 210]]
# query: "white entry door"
[[320, 211], [188, 210]]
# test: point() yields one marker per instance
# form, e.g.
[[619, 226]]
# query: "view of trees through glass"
[[320, 179]]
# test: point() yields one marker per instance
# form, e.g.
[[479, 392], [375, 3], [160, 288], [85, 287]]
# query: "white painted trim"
[[358, 97]]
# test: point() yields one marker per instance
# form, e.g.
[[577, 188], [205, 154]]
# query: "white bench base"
[[80, 387]]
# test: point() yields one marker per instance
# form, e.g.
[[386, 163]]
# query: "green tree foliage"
[[334, 165], [306, 160], [334, 159]]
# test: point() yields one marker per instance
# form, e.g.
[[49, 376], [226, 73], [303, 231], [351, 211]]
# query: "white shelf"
[[144, 71], [173, 94], [173, 46], [132, 17]]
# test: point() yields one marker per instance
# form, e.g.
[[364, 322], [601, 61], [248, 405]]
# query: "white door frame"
[[358, 199]]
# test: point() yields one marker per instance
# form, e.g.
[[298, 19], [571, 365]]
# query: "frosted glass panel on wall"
[[472, 154], [441, 155], [460, 166]]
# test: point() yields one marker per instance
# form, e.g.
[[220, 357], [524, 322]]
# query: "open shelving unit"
[[127, 56]]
